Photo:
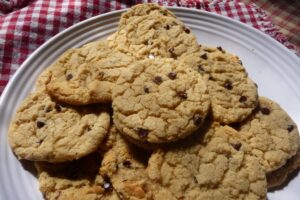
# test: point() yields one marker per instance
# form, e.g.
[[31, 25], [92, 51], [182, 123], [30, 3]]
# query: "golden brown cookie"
[[233, 94], [76, 180], [86, 75], [45, 130], [209, 165], [159, 101], [271, 133]]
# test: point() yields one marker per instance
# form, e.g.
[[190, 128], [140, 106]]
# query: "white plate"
[[273, 67]]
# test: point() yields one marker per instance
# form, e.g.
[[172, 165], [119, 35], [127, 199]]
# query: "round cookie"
[[233, 94], [86, 75], [271, 134], [210, 165], [125, 166], [44, 130], [159, 101], [143, 10], [75, 180], [154, 35], [278, 177]]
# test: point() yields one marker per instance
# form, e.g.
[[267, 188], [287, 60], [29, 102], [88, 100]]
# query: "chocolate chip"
[[106, 183], [187, 30], [158, 80], [204, 56], [220, 49], [243, 99], [290, 128], [146, 89], [237, 146], [265, 111], [201, 69], [167, 27], [182, 94], [236, 126], [228, 85], [197, 119], [48, 109], [127, 163], [69, 77], [57, 107], [40, 124], [143, 133], [172, 75]]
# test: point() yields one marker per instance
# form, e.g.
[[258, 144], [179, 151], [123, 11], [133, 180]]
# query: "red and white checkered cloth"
[[27, 24]]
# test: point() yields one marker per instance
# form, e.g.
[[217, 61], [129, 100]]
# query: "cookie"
[[44, 130], [209, 165], [125, 165], [233, 94], [86, 75], [154, 36], [278, 177], [75, 180], [143, 10], [271, 133], [159, 101]]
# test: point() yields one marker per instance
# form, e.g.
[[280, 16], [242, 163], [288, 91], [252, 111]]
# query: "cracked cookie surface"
[[233, 94], [44, 130], [271, 133], [125, 165], [159, 101], [211, 165], [75, 180], [86, 75], [154, 35]]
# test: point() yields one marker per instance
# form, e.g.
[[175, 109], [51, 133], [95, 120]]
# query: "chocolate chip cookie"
[[153, 35], [271, 133], [209, 165], [159, 101], [76, 180], [125, 166], [86, 75], [45, 130], [233, 94]]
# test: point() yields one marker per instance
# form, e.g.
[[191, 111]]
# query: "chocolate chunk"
[[146, 89], [197, 119], [243, 99], [182, 94], [167, 27], [237, 146], [143, 133], [172, 75], [290, 128], [127, 163], [57, 107], [106, 183], [265, 111], [69, 77], [228, 85], [187, 30], [204, 56], [158, 80], [40, 124]]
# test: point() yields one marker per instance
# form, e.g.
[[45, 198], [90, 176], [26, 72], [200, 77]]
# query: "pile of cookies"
[[151, 114]]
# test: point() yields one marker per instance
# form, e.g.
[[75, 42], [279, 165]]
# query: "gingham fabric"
[[27, 24]]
